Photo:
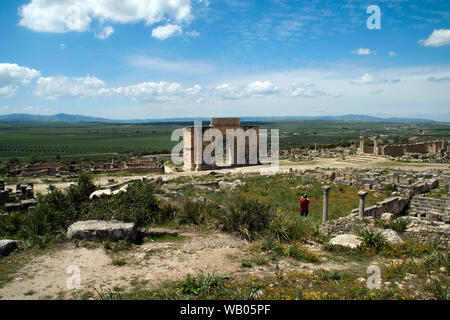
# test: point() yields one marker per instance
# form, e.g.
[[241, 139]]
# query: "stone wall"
[[395, 206], [430, 208], [423, 148]]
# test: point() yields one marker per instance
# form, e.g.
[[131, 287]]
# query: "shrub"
[[328, 275], [118, 262], [200, 285], [439, 290], [249, 217], [193, 212], [292, 228], [397, 224], [300, 253], [370, 238], [138, 205]]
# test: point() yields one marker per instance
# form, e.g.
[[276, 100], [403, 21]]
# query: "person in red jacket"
[[304, 205]]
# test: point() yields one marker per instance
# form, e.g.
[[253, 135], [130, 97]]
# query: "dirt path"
[[45, 276]]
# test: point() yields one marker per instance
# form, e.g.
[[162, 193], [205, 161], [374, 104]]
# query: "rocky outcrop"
[[8, 246], [97, 229], [392, 237], [230, 185], [424, 231], [343, 225], [346, 240]]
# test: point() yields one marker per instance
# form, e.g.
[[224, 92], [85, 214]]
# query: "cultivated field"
[[100, 141]]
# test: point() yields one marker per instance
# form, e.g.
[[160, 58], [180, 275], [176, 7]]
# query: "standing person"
[[304, 205]]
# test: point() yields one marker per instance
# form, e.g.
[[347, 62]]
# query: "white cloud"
[[262, 87], [226, 91], [375, 92], [437, 39], [306, 92], [167, 31], [105, 33], [193, 33], [155, 91], [53, 88], [266, 88], [12, 75], [159, 64], [363, 52], [392, 54], [76, 15], [435, 79], [368, 78]]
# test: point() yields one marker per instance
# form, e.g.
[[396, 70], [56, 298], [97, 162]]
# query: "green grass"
[[99, 140]]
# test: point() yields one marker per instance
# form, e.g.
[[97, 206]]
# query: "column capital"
[[326, 189], [362, 194]]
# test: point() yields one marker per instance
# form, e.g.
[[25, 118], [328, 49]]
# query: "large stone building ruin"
[[431, 148], [232, 131]]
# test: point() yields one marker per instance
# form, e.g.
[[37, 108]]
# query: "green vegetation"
[[56, 141], [57, 210], [398, 224]]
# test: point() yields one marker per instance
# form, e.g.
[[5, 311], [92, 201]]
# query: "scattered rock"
[[230, 185], [392, 237], [97, 229], [387, 216], [100, 193], [8, 246], [346, 240]]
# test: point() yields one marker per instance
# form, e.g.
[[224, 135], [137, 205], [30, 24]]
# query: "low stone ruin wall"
[[395, 206], [430, 208]]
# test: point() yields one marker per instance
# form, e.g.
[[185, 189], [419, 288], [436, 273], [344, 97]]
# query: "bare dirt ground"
[[211, 252]]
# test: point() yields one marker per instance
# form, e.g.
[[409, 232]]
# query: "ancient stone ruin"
[[439, 149], [105, 167], [20, 199], [234, 136]]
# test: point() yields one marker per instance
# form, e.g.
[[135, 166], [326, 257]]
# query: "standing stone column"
[[326, 193], [375, 146], [361, 145], [362, 198]]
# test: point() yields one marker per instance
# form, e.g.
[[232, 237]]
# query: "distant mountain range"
[[62, 117]]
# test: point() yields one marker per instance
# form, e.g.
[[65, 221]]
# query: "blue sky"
[[172, 58]]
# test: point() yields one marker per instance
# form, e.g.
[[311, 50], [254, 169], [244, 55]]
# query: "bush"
[[52, 215], [373, 239], [194, 212], [138, 205], [292, 228], [300, 253], [57, 210], [397, 224], [201, 285], [249, 217]]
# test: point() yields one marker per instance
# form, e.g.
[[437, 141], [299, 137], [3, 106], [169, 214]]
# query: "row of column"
[[326, 193]]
